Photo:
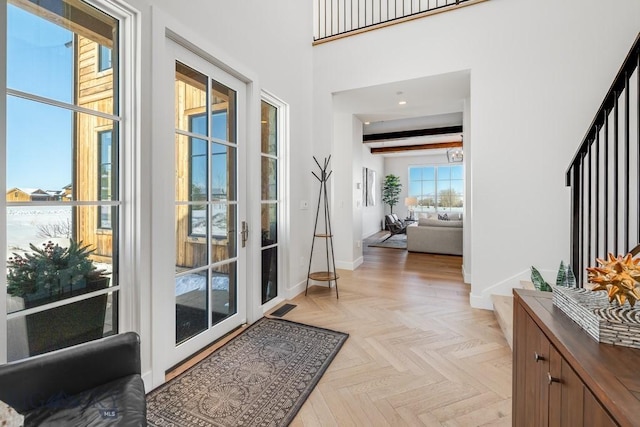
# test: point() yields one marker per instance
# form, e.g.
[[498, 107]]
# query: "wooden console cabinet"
[[562, 377]]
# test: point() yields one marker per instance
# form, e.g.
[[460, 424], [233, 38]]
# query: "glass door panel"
[[223, 291], [223, 232], [223, 172], [206, 202], [223, 112], [269, 201], [191, 304], [269, 218], [269, 178]]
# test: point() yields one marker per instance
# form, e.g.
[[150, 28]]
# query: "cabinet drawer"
[[548, 389]]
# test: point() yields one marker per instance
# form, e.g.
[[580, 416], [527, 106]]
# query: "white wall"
[[352, 220], [342, 200], [539, 71], [467, 260]]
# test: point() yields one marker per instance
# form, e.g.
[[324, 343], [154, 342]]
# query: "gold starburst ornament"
[[618, 276]]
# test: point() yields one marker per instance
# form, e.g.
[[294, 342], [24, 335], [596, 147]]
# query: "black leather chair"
[[395, 225], [95, 383]]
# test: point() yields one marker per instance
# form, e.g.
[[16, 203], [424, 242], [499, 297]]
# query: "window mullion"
[[61, 104]]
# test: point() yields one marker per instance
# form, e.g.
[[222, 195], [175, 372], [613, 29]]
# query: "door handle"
[[552, 379], [537, 357], [244, 233]]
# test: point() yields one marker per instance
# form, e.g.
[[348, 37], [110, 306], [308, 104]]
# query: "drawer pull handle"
[[552, 379], [538, 357]]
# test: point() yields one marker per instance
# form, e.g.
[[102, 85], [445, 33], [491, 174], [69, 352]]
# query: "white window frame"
[[436, 166], [284, 226], [129, 185]]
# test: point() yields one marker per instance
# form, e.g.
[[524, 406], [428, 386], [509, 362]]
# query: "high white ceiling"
[[434, 101]]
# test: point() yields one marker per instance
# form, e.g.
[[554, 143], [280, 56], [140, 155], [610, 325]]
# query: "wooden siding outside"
[[190, 99], [94, 91]]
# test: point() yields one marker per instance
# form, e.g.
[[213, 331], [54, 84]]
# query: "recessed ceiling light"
[[402, 102], [367, 123]]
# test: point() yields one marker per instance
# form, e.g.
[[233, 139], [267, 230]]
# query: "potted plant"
[[53, 273], [391, 188]]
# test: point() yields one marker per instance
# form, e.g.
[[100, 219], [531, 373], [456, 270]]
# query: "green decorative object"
[[391, 188], [51, 271], [565, 278], [538, 281]]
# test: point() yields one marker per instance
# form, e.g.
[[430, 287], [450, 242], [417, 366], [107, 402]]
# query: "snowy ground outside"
[[191, 282], [24, 223]]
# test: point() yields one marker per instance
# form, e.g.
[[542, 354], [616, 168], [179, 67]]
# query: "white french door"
[[205, 297]]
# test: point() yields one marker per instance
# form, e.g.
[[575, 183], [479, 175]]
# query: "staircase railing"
[[335, 18], [604, 174]]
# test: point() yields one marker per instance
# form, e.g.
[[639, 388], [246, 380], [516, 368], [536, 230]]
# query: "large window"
[[62, 180], [437, 187]]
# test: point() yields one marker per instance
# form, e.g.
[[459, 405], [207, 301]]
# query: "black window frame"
[[105, 58], [101, 163]]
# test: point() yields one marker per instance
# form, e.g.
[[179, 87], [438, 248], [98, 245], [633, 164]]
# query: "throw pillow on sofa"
[[452, 216], [432, 222], [9, 417]]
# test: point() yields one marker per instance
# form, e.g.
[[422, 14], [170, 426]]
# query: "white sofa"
[[436, 236]]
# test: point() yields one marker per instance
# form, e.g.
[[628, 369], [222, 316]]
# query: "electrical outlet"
[[358, 243]]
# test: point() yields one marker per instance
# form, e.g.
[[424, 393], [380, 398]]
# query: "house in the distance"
[[28, 195]]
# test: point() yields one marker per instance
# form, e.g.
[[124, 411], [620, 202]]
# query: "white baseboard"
[[466, 276], [358, 262], [482, 299], [481, 302], [346, 265], [148, 382], [296, 290]]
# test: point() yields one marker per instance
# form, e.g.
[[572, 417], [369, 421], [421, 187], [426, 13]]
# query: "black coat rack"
[[330, 274]]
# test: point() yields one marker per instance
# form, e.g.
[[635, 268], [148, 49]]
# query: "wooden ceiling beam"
[[401, 148], [411, 133]]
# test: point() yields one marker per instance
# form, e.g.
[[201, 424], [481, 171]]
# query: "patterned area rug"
[[260, 378], [398, 241]]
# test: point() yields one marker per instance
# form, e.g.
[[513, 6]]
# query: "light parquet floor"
[[417, 353]]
